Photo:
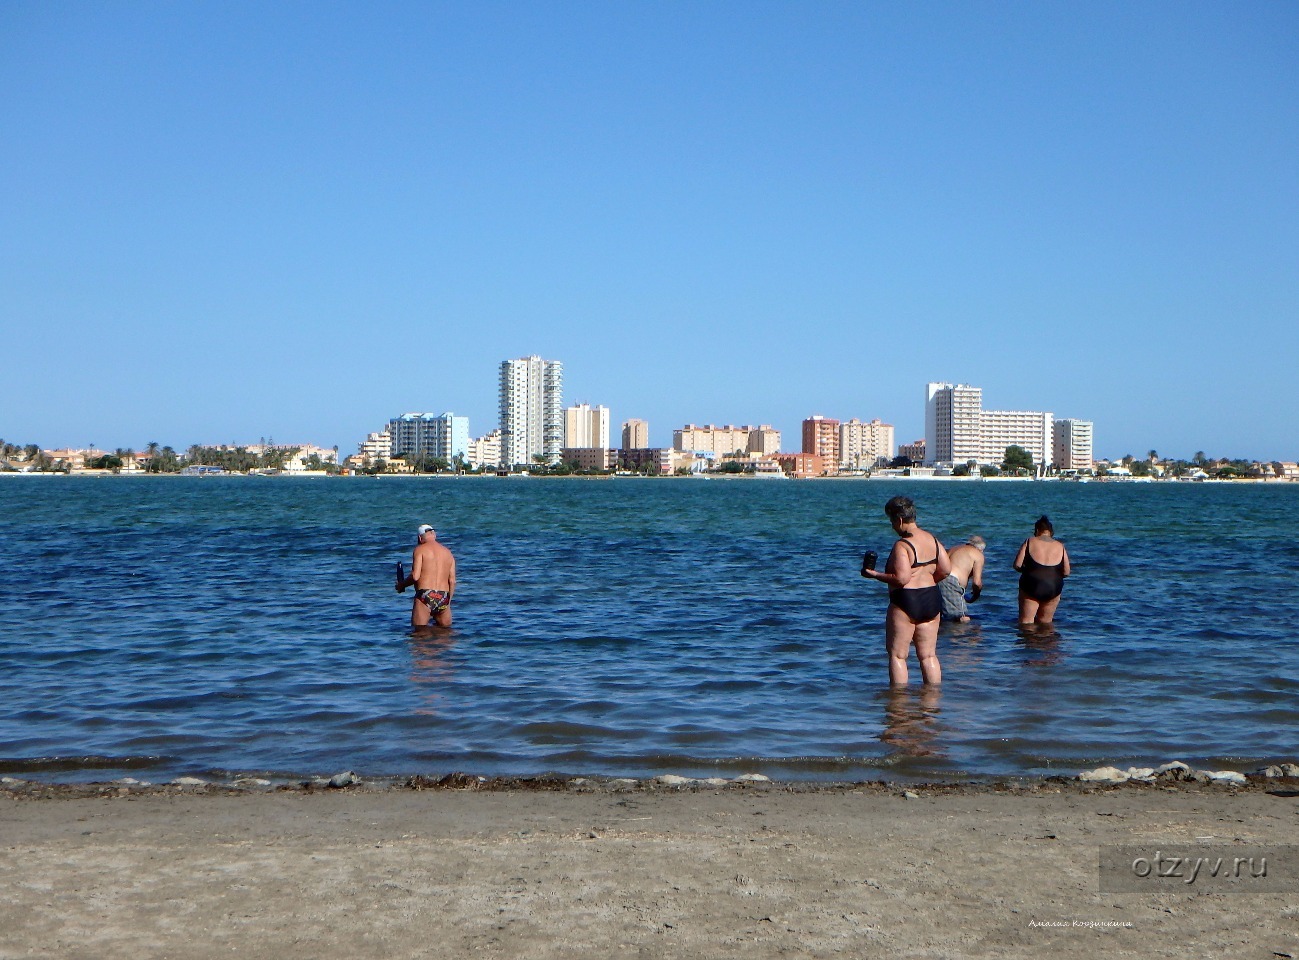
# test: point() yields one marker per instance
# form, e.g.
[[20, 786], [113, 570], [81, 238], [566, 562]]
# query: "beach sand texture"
[[758, 871]]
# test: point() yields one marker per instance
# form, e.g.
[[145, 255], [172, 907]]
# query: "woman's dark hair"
[[901, 509], [1044, 525]]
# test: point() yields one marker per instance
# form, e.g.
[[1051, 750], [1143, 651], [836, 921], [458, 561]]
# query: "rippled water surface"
[[635, 627]]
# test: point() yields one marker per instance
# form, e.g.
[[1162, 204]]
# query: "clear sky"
[[223, 221]]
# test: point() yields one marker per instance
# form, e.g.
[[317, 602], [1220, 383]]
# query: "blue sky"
[[223, 221]]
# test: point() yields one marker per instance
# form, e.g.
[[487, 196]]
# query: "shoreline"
[[1171, 776], [321, 475], [506, 870]]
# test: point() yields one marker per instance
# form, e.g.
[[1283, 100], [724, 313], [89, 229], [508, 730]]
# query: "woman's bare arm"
[[900, 562]]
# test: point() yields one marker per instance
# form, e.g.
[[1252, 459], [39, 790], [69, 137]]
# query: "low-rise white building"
[[376, 446], [485, 451]]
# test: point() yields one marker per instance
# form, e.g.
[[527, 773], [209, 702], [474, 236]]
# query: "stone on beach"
[[671, 780], [752, 778], [1226, 776], [345, 779], [1176, 770], [1280, 770], [1104, 775], [188, 782]]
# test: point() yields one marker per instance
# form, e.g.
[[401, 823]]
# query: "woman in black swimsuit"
[[916, 566], [1043, 563]]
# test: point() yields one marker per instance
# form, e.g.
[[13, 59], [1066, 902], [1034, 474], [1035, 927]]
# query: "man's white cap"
[[423, 529]]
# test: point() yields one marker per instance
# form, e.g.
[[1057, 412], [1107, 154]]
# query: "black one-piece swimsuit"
[[1040, 581]]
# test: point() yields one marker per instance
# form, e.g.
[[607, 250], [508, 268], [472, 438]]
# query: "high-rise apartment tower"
[[635, 435], [953, 414], [532, 413], [586, 427], [821, 436], [863, 446], [1073, 444]]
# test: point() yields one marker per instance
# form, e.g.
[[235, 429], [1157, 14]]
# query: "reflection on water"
[[960, 647], [1040, 644], [430, 667], [911, 721]]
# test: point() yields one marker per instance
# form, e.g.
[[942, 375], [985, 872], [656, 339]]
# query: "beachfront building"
[[659, 460], [801, 465], [416, 435], [711, 439], [590, 458], [865, 445], [1019, 428], [531, 410], [821, 436], [720, 441], [375, 447], [1072, 444], [764, 441], [635, 435], [485, 451], [311, 458], [953, 427], [958, 430], [913, 451], [586, 427]]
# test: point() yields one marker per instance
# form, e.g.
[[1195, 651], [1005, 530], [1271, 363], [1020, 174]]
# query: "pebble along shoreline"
[[1168, 775]]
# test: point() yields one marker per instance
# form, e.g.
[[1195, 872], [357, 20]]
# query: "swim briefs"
[[435, 600]]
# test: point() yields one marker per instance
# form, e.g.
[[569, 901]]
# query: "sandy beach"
[[622, 869]]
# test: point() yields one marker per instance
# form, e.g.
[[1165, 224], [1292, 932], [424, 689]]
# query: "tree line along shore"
[[270, 457]]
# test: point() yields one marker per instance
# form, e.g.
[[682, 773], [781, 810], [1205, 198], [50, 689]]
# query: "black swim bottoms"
[[920, 605]]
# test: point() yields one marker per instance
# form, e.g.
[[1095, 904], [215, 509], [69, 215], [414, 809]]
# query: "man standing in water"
[[967, 567], [433, 575]]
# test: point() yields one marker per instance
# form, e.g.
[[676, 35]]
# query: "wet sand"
[[502, 870]]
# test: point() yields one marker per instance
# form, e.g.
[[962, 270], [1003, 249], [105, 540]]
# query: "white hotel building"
[[953, 423], [958, 430], [1029, 429]]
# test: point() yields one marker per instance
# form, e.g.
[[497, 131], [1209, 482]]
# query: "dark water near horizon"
[[163, 626]]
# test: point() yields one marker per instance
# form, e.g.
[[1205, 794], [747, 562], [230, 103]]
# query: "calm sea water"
[[165, 626]]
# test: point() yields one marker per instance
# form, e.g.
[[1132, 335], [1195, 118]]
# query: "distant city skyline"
[[227, 222]]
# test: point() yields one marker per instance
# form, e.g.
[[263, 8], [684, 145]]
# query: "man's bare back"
[[433, 574], [967, 563]]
